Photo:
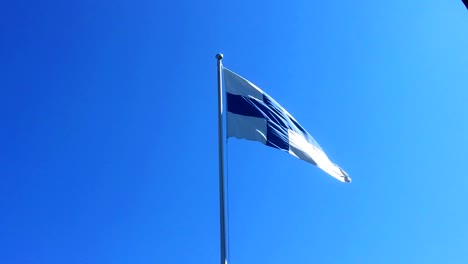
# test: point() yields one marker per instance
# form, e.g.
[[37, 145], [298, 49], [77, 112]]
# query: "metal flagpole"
[[222, 221]]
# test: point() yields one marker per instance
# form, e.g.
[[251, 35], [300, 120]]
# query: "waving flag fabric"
[[254, 115]]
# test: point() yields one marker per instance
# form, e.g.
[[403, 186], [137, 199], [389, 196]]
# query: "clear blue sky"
[[109, 131]]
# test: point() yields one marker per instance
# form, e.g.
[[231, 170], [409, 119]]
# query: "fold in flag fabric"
[[254, 115]]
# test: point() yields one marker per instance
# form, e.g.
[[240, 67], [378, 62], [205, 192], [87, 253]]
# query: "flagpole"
[[222, 221]]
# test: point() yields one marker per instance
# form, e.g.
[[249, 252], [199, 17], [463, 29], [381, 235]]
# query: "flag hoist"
[[254, 115]]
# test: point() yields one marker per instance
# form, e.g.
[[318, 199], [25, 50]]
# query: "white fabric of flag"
[[254, 115]]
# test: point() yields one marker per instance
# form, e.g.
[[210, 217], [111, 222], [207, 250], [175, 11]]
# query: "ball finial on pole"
[[219, 56]]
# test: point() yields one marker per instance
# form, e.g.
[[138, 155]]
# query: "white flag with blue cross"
[[254, 115]]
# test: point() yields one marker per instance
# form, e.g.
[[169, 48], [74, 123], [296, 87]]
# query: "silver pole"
[[222, 221]]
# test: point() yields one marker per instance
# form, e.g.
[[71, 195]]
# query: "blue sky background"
[[109, 131]]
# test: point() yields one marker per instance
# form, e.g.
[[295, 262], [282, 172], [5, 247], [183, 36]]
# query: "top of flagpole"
[[219, 56]]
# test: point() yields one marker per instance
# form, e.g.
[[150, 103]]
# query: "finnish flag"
[[254, 115]]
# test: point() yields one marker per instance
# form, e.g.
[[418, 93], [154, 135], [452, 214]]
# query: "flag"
[[254, 115]]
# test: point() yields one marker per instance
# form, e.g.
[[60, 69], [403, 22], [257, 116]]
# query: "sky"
[[109, 131]]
